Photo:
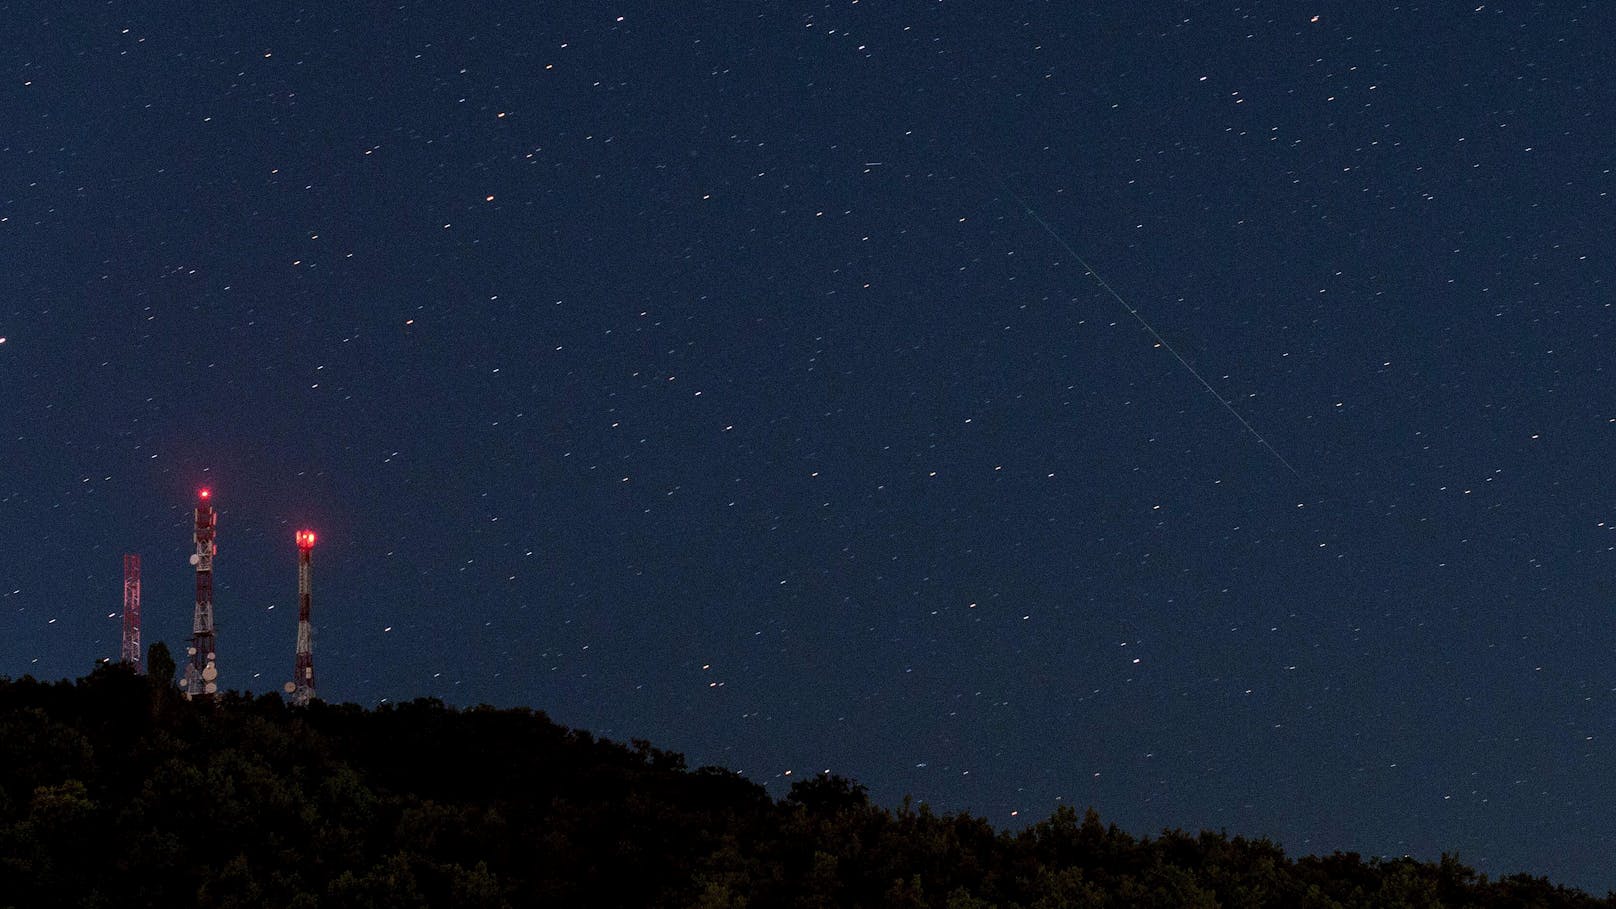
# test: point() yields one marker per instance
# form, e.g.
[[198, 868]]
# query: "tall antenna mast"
[[201, 671], [130, 652], [301, 687]]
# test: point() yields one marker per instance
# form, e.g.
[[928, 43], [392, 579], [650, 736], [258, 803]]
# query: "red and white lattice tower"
[[202, 669], [130, 652], [301, 687]]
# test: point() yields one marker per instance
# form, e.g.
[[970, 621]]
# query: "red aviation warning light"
[[305, 539], [204, 493]]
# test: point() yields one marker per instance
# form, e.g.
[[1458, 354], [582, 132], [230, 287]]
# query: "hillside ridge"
[[116, 791]]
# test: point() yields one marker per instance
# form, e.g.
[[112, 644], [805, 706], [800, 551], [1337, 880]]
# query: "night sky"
[[693, 374]]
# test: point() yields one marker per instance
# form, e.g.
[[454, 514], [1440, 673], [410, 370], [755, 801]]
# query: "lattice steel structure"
[[301, 687], [130, 651], [202, 669]]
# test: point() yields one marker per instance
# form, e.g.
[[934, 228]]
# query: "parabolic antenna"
[[196, 559]]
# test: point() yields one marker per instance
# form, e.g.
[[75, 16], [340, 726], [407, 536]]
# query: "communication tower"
[[130, 652], [301, 687], [201, 670]]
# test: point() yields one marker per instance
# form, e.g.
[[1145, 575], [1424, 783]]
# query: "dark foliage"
[[114, 791], [160, 664]]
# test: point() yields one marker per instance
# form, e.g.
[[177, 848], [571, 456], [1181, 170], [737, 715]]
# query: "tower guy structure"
[[130, 651], [301, 687], [201, 670]]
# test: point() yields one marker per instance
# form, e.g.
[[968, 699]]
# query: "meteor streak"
[[1055, 235]]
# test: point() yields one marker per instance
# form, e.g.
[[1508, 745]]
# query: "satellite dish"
[[190, 651], [184, 683], [196, 559], [210, 688], [290, 687], [209, 673]]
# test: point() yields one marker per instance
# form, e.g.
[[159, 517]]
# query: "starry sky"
[[693, 373]]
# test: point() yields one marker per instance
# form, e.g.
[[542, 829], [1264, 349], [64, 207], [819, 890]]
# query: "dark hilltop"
[[116, 791]]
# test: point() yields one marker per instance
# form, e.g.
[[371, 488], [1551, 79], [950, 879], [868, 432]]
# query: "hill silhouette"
[[115, 791]]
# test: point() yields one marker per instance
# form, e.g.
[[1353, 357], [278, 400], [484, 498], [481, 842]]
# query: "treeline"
[[115, 791]]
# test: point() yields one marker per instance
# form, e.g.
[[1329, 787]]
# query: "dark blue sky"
[[691, 374]]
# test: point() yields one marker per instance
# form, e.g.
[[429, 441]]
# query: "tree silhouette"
[[116, 791], [160, 664]]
